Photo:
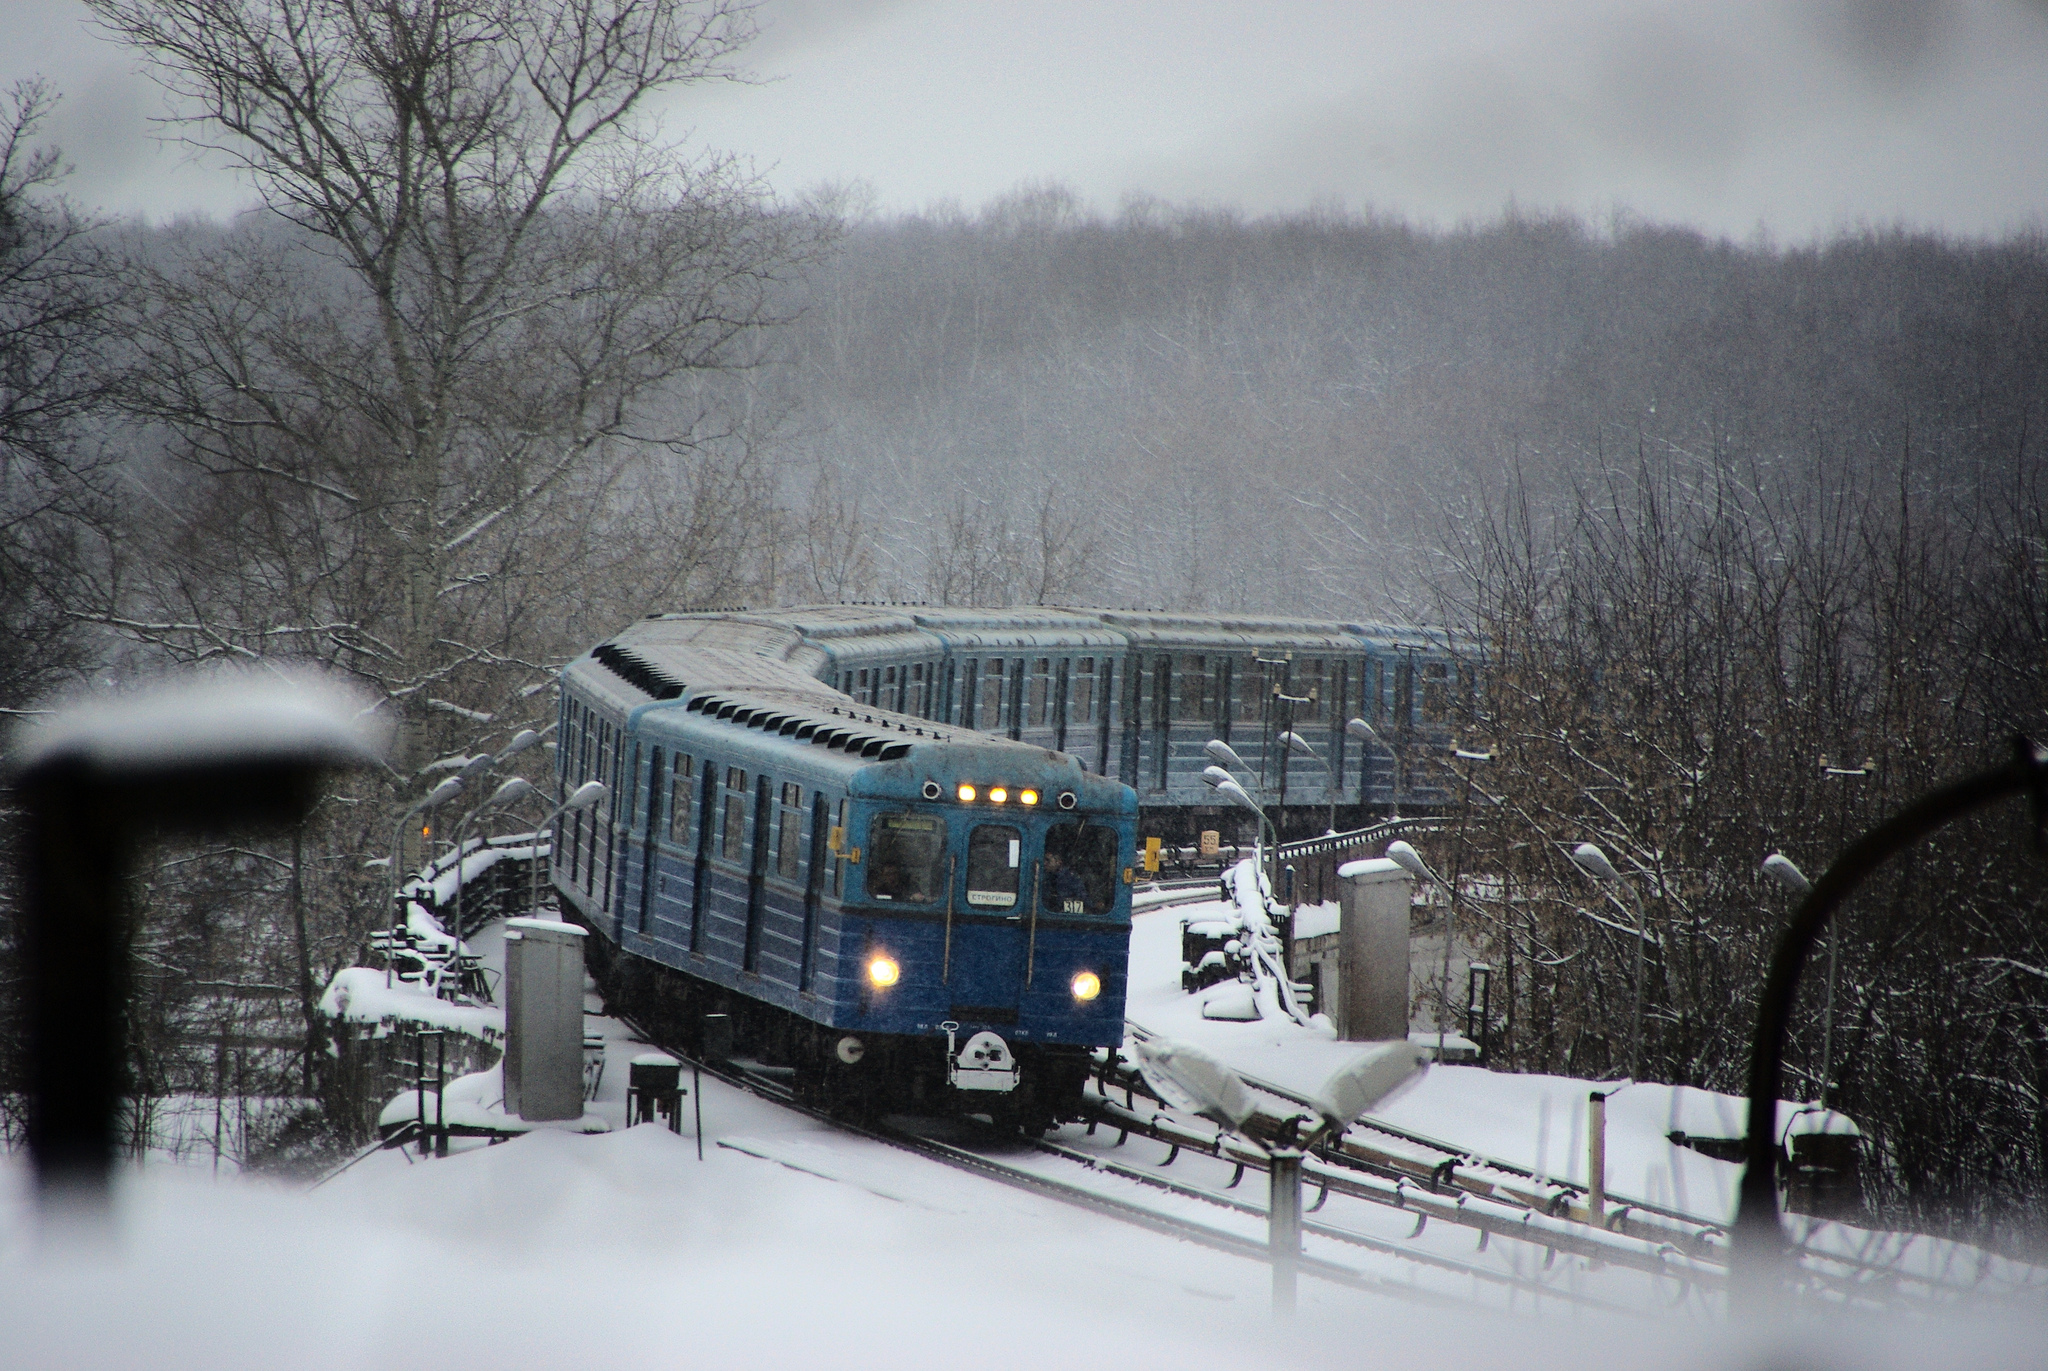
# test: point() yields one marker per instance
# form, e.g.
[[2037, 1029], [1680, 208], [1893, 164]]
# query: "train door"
[[994, 888]]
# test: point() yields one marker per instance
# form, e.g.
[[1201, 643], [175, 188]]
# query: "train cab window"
[[1080, 874], [1081, 693], [906, 858], [681, 790], [732, 838], [917, 697], [1038, 704], [789, 831], [994, 857]]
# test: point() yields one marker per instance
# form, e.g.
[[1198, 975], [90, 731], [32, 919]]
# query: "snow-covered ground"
[[790, 1244]]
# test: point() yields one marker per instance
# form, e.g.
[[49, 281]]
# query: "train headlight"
[[966, 794], [1087, 985], [997, 795], [883, 972], [1027, 797]]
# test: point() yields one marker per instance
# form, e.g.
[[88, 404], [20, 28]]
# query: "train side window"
[[1309, 681], [1436, 692], [1404, 693], [790, 832], [1192, 700], [679, 795], [732, 838], [1252, 687], [969, 678], [891, 697], [1081, 694], [906, 858], [1038, 703], [1080, 869], [994, 857], [988, 712]]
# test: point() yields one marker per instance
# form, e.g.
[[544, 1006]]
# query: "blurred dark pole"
[[1758, 1240], [102, 783]]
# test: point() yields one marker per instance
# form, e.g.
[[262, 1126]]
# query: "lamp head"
[[1408, 859], [1216, 776], [587, 794], [1239, 797], [441, 794], [1594, 863], [476, 766], [1297, 744], [1360, 729], [518, 788], [1220, 751], [521, 741], [1785, 872]]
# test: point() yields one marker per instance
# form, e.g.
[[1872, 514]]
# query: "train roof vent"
[[637, 671]]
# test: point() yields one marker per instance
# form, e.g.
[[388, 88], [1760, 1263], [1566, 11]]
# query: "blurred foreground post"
[[1283, 1209], [97, 781], [1758, 1245]]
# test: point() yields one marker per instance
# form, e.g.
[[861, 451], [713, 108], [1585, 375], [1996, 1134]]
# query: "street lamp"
[[1405, 856], [513, 790], [1781, 869], [1239, 796], [1591, 860], [583, 797], [435, 798]]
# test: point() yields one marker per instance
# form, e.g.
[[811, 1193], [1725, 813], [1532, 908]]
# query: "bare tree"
[[465, 326]]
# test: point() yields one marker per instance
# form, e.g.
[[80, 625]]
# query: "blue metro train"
[[895, 845], [903, 913]]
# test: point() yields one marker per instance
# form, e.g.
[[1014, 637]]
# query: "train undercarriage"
[[1022, 1088]]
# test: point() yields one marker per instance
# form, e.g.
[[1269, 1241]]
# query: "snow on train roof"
[[666, 657]]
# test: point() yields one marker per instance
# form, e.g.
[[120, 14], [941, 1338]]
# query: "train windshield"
[[994, 857], [1080, 869], [907, 856]]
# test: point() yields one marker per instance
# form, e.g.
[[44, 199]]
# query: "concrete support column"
[[543, 1019], [1372, 950]]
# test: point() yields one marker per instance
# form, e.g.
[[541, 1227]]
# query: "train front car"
[[989, 898]]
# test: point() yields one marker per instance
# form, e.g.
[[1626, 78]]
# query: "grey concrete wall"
[[543, 1019], [1372, 956]]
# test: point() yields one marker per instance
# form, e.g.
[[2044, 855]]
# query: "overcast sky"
[[1797, 118]]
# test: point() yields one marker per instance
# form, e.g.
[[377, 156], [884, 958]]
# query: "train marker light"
[[966, 794], [1027, 797], [884, 972], [997, 795], [1087, 985]]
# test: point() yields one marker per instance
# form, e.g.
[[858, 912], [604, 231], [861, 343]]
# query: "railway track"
[[1239, 1229], [1434, 1180]]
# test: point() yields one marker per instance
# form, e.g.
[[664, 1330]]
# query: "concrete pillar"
[[1372, 950], [543, 1019]]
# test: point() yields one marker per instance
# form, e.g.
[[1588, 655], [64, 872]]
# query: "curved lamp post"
[[511, 792], [434, 799], [1590, 859], [1405, 856], [1241, 797], [1366, 733], [1758, 1239], [581, 798]]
